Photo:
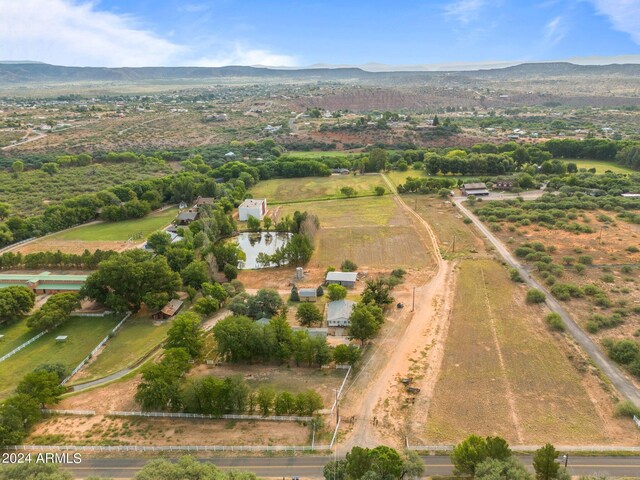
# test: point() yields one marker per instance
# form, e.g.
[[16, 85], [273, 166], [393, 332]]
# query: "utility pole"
[[566, 460]]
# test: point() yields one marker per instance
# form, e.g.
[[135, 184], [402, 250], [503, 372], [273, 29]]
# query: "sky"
[[290, 33]]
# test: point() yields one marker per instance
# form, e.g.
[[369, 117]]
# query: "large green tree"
[[15, 302], [544, 462], [186, 332], [308, 315], [122, 281], [365, 321], [41, 385], [55, 311]]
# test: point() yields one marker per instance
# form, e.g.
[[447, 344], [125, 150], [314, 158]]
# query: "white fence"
[[637, 420], [274, 418], [344, 382], [67, 412], [24, 345], [95, 350], [172, 448], [87, 314]]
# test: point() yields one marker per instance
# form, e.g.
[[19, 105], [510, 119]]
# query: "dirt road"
[[621, 381], [375, 403]]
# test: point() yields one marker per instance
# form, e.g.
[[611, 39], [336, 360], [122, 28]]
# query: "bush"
[[608, 278], [514, 275], [230, 272], [566, 291], [633, 249], [467, 221], [579, 268], [624, 351], [627, 409], [348, 266], [626, 269], [535, 296], [554, 322], [585, 259]]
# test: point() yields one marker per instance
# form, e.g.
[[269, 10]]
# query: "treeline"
[[130, 200]]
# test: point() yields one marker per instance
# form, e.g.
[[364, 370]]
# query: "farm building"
[[313, 332], [346, 279], [338, 314], [204, 201], [476, 189], [308, 295], [252, 207], [169, 310], [185, 218], [503, 184], [44, 283]]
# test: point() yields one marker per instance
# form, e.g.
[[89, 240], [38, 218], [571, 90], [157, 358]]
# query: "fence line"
[[274, 418], [531, 448], [14, 245], [87, 314], [637, 420], [24, 345], [172, 448], [95, 350], [50, 411], [337, 397], [335, 434]]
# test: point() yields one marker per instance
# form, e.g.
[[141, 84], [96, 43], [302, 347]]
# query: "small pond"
[[254, 243]]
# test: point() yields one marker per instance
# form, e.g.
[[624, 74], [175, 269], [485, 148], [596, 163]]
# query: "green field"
[[398, 178], [350, 212], [287, 190], [33, 190], [118, 231], [600, 165], [329, 154], [15, 335], [84, 335], [136, 338]]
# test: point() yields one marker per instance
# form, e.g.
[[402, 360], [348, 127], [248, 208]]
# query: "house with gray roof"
[[346, 279], [308, 295], [338, 313]]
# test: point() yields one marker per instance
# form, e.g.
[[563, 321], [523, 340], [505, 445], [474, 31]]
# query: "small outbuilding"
[[308, 295], [200, 201], [346, 279], [185, 218], [252, 207], [169, 310]]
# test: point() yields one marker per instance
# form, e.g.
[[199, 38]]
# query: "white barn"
[[252, 207]]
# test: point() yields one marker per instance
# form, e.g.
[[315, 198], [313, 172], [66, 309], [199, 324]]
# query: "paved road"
[[311, 466], [619, 379]]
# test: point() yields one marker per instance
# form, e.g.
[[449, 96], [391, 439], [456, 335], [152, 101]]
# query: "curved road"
[[621, 382]]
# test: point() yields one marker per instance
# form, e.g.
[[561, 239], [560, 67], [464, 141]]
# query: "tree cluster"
[[379, 463]]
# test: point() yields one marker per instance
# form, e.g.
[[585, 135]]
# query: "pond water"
[[254, 243]]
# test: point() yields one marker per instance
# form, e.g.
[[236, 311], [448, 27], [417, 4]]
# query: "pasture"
[[288, 190], [135, 339], [600, 165], [84, 334], [15, 334], [505, 374]]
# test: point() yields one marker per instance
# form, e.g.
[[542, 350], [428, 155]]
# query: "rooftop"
[[44, 276], [342, 276], [339, 309], [307, 292], [474, 186], [252, 202]]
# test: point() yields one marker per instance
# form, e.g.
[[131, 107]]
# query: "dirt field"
[[105, 430], [71, 246], [504, 374]]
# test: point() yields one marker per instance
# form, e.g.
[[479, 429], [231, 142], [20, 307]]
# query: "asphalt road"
[[619, 379], [311, 466]]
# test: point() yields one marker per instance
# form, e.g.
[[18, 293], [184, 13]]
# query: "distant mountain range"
[[26, 72]]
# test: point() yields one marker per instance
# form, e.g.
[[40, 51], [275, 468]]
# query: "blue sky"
[[300, 33]]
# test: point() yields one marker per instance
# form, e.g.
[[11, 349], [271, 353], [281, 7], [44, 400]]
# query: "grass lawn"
[[398, 178], [84, 335], [313, 155], [350, 212], [116, 231], [286, 190], [599, 165], [535, 389], [133, 341], [15, 335]]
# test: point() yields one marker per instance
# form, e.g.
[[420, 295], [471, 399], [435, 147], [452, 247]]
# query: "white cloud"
[[69, 33], [554, 31], [623, 14], [464, 10], [239, 54], [77, 33]]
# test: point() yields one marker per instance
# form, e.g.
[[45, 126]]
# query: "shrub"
[[626, 269], [535, 296], [633, 249], [348, 266], [627, 409], [554, 322], [624, 351], [565, 291], [591, 290], [585, 259], [608, 278], [467, 220], [514, 275], [230, 272], [601, 300], [579, 268]]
